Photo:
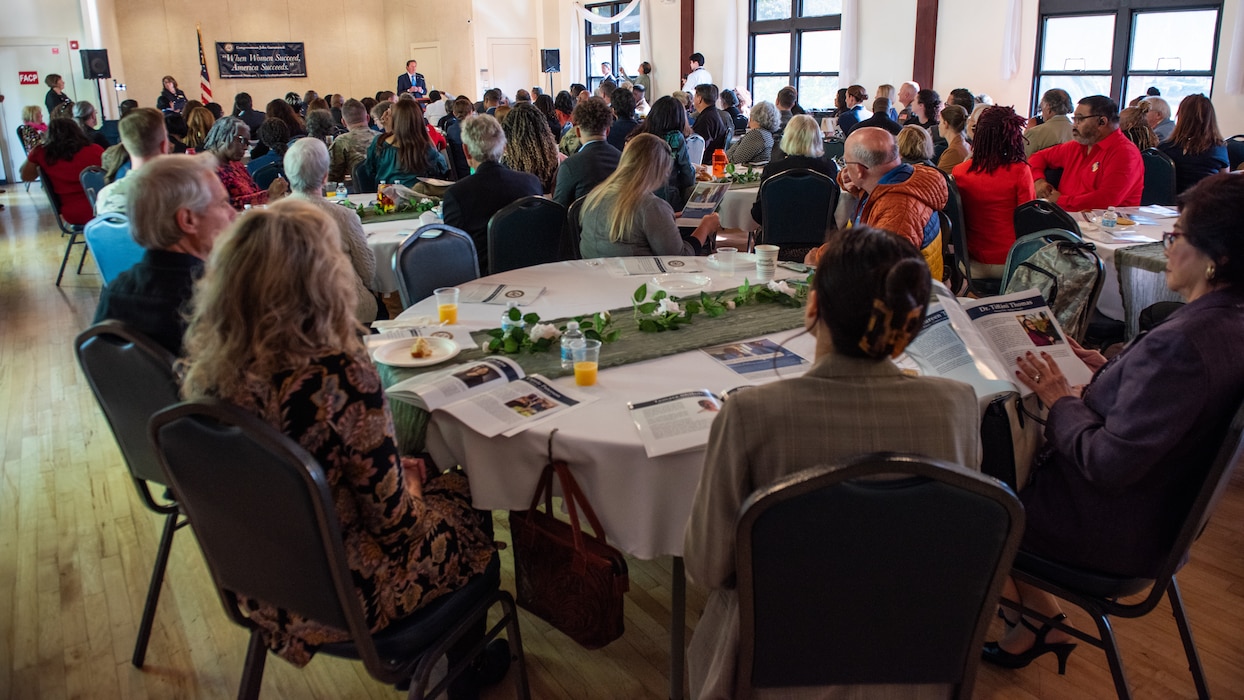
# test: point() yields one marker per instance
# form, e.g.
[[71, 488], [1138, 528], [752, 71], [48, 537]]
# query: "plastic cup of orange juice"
[[447, 304], [586, 360]]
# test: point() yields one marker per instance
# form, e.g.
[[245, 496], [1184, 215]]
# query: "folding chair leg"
[[153, 590], [82, 259], [65, 260], [252, 673], [1185, 633], [1111, 647], [516, 645]]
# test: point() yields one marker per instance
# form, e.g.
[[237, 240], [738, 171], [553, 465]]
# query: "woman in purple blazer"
[[1125, 457]]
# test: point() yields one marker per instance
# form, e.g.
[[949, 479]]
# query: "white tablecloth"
[[1110, 303], [736, 209], [643, 503], [383, 238]]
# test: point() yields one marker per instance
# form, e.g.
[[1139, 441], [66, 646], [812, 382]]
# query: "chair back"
[[1159, 178], [695, 149], [884, 569], [572, 232], [132, 378], [363, 179], [299, 563], [835, 148], [92, 179], [525, 232], [26, 134], [115, 250], [264, 176], [435, 255], [1040, 215], [1235, 152], [798, 206]]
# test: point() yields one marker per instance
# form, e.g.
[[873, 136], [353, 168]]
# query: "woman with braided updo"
[[529, 146], [994, 181], [867, 303]]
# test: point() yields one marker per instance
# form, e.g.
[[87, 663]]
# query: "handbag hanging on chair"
[[570, 579]]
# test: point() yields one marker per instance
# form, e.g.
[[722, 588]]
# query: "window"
[[616, 44], [1123, 51], [795, 42]]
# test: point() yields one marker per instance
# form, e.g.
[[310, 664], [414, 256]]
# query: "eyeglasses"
[[1168, 239], [242, 139], [855, 162], [1082, 117]]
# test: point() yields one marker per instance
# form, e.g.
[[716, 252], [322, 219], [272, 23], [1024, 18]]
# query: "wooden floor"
[[76, 547]]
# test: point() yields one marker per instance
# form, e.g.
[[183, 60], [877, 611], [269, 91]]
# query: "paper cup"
[[766, 262]]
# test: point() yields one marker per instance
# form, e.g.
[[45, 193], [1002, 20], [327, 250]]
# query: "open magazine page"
[[704, 200], [1017, 323], [675, 423], [758, 357], [950, 346], [436, 389], [511, 408]]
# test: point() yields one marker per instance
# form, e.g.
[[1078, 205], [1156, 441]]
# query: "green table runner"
[[632, 346]]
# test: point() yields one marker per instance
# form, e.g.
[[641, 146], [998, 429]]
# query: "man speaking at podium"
[[412, 82]]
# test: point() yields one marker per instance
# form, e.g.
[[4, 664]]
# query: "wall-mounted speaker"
[[95, 64], [550, 61]]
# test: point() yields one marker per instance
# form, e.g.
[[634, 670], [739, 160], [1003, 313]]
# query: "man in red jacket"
[[1101, 168]]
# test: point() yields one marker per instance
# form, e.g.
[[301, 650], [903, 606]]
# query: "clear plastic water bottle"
[[508, 323], [1109, 218], [570, 338], [343, 194]]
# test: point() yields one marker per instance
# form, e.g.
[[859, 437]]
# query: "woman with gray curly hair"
[[757, 144], [228, 141], [306, 166]]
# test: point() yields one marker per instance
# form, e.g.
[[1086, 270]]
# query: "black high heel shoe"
[[998, 656]]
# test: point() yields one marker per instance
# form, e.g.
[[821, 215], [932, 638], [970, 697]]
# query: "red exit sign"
[[28, 77]]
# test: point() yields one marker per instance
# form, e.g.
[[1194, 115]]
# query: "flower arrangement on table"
[[740, 176], [415, 205], [662, 312], [527, 333]]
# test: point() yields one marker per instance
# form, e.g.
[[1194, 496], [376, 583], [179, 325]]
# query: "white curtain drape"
[[1235, 64], [580, 15], [1009, 65], [599, 19], [849, 51]]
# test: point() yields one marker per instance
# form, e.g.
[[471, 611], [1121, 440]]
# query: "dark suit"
[[457, 157], [709, 125], [619, 131], [151, 296], [1122, 464], [469, 203], [253, 119], [879, 120], [404, 84], [585, 170]]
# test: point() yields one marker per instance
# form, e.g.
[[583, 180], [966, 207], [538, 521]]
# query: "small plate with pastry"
[[419, 352]]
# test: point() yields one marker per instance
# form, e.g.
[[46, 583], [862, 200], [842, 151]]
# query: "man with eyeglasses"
[[1101, 168]]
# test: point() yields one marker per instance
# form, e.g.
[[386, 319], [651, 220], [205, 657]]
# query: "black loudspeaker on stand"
[[550, 62], [95, 64]]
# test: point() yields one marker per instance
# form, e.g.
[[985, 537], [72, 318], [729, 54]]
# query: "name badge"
[[1096, 165]]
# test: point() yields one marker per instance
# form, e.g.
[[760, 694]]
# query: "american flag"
[[205, 80]]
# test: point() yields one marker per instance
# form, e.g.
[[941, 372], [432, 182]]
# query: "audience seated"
[[623, 105], [183, 207], [1125, 456], [708, 122], [529, 147], [227, 141], [274, 137], [381, 116], [871, 291], [802, 144], [1055, 127], [881, 117], [405, 154], [907, 93], [887, 92], [144, 137], [623, 217], [1159, 117], [306, 165], [544, 103], [296, 362], [730, 103], [757, 144], [641, 100], [320, 124], [436, 108], [470, 202], [199, 122], [350, 149], [1196, 144], [1134, 123], [461, 109], [88, 119], [280, 109], [596, 158], [785, 102], [668, 121], [893, 196], [62, 156], [244, 109], [925, 111], [175, 124], [915, 145], [856, 112], [954, 122], [1101, 168], [563, 107], [991, 184]]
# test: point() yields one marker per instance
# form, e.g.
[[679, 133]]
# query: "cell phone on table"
[[794, 266]]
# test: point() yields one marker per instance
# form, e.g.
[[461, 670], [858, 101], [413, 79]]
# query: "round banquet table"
[[383, 238], [643, 503], [1148, 229], [736, 209]]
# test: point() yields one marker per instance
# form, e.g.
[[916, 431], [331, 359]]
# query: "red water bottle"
[[719, 163]]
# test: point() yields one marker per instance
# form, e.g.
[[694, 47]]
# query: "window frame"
[[796, 26], [1125, 15], [614, 39]]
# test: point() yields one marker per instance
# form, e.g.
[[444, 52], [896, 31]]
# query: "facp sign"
[[28, 77]]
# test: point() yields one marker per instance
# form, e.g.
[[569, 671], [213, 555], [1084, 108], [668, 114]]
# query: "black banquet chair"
[[1040, 215], [132, 378], [435, 255], [1101, 595], [93, 180], [74, 231], [1159, 178], [362, 181], [572, 231], [525, 232], [798, 206], [898, 585], [267, 525]]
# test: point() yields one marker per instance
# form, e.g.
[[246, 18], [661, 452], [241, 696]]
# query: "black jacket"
[[585, 170], [469, 203], [151, 296]]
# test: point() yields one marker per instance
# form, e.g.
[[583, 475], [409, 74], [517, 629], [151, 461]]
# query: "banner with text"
[[261, 60]]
